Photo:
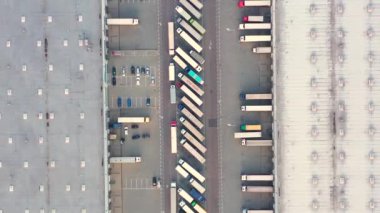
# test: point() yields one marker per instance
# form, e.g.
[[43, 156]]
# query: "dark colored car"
[[133, 70], [119, 102], [113, 71], [129, 102], [145, 135], [154, 181], [142, 70], [113, 81], [147, 102], [180, 106], [135, 126], [122, 140], [135, 137]]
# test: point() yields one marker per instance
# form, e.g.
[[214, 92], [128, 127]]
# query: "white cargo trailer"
[[194, 141], [247, 142], [257, 177], [190, 29], [255, 26], [257, 108], [189, 40], [191, 9], [257, 189], [192, 151], [255, 38], [247, 134]]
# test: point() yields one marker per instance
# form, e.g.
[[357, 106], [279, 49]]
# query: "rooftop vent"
[[340, 33], [371, 204], [314, 156], [341, 106], [342, 180], [371, 180], [314, 107], [313, 9], [342, 155], [341, 82], [313, 82], [371, 82], [370, 8], [370, 33], [314, 132], [313, 33], [314, 204], [371, 155], [371, 107], [340, 9], [314, 180]]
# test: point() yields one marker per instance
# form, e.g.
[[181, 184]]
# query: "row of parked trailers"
[[256, 189], [190, 84]]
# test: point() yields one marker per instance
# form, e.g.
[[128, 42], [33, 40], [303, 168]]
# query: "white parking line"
[[138, 184]]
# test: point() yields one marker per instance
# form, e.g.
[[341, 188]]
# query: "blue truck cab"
[[198, 196]]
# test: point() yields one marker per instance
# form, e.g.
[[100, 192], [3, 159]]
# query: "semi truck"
[[198, 207], [173, 136], [247, 142], [255, 38], [191, 170], [192, 151], [189, 40], [255, 26], [192, 129], [191, 94], [191, 84], [265, 96], [185, 195], [197, 196], [188, 59], [171, 37], [190, 29], [197, 185], [256, 108], [173, 197], [247, 135], [195, 76], [250, 127], [180, 62], [257, 177], [191, 106], [173, 96], [183, 13], [192, 118], [171, 72], [253, 18], [197, 57], [181, 171], [191, 9], [262, 50], [185, 207], [133, 119], [257, 211], [125, 159], [197, 4], [122, 21], [197, 26], [258, 189], [254, 3], [194, 141]]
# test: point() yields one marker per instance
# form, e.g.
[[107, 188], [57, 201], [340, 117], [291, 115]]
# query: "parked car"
[[152, 79], [113, 71], [123, 71], [133, 70], [145, 135], [137, 71], [114, 81], [119, 102], [154, 181], [125, 130], [122, 140], [147, 102], [147, 70], [135, 137], [142, 70], [137, 81], [129, 102], [135, 126]]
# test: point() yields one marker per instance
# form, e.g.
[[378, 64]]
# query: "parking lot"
[[134, 79], [242, 71]]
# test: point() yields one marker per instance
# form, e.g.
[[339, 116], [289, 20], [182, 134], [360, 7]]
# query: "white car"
[[138, 71], [125, 130], [137, 81], [123, 71]]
